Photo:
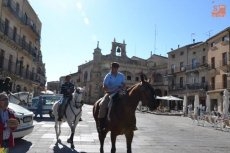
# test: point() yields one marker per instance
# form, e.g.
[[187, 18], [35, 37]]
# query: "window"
[[203, 80], [10, 63], [181, 82], [224, 59], [194, 63], [213, 83], [6, 30], [17, 8], [2, 55], [182, 66], [128, 77], [213, 62], [27, 71], [225, 38], [224, 81], [85, 76], [203, 59], [173, 68], [212, 44], [137, 78], [23, 41], [14, 33]]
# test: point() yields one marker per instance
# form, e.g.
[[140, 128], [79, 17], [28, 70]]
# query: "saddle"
[[62, 108]]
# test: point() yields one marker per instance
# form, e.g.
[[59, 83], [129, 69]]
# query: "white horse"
[[21, 98], [72, 115]]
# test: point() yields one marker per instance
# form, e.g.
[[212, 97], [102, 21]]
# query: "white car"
[[25, 119], [47, 104]]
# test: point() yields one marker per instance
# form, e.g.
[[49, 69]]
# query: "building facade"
[[20, 54], [201, 69], [219, 62]]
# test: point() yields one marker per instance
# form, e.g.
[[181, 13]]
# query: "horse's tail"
[[96, 109]]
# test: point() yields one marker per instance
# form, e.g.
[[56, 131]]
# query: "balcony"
[[23, 18], [213, 48], [225, 41], [14, 68], [189, 87]]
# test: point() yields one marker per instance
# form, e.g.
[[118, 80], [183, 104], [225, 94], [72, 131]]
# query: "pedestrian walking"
[[39, 107]]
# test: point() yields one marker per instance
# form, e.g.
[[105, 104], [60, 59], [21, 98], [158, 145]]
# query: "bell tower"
[[97, 53], [118, 49]]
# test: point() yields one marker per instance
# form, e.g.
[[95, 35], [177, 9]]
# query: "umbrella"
[[196, 104], [225, 102], [47, 92], [169, 98], [185, 104], [207, 103]]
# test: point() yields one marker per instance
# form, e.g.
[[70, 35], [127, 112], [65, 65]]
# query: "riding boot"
[[101, 124]]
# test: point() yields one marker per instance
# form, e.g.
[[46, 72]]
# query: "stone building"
[[201, 69], [91, 74], [219, 62], [20, 54]]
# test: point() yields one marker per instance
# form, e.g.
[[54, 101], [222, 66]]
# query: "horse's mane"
[[131, 88]]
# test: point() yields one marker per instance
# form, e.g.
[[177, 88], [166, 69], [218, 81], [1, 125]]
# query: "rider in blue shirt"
[[113, 82]]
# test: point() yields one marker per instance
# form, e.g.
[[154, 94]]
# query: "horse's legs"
[[102, 135], [72, 127], [57, 129], [129, 139], [113, 136]]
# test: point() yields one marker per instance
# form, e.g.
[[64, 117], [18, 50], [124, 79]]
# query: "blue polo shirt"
[[113, 82]]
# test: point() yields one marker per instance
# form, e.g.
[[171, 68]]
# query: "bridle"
[[77, 105]]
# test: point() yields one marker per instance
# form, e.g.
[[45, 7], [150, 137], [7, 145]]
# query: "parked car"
[[47, 105], [25, 119]]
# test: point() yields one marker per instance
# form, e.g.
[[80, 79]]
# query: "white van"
[[47, 105]]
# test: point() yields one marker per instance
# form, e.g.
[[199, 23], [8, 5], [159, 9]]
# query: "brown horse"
[[122, 115]]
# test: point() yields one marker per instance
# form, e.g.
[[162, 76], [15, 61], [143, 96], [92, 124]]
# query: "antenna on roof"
[[208, 33], [155, 40]]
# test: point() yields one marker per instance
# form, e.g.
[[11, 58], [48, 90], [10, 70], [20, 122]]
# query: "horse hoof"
[[69, 141], [72, 146], [101, 150]]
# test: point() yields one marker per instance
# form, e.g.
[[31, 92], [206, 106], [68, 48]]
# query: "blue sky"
[[71, 28]]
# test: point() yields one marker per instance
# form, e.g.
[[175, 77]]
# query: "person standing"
[[67, 90], [39, 107], [6, 85], [113, 82], [8, 123]]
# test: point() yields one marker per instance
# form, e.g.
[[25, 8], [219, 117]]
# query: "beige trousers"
[[103, 106]]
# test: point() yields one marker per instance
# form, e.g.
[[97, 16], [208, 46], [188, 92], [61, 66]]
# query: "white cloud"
[[86, 21], [79, 5]]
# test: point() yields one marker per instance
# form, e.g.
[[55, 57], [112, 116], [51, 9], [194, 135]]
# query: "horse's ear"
[[149, 80], [143, 77]]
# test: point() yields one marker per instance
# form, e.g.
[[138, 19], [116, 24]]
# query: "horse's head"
[[148, 96], [77, 96]]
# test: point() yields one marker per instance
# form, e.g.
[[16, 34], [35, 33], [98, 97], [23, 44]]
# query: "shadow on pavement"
[[21, 146], [47, 119], [61, 148]]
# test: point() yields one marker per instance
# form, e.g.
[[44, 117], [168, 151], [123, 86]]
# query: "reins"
[[77, 107]]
